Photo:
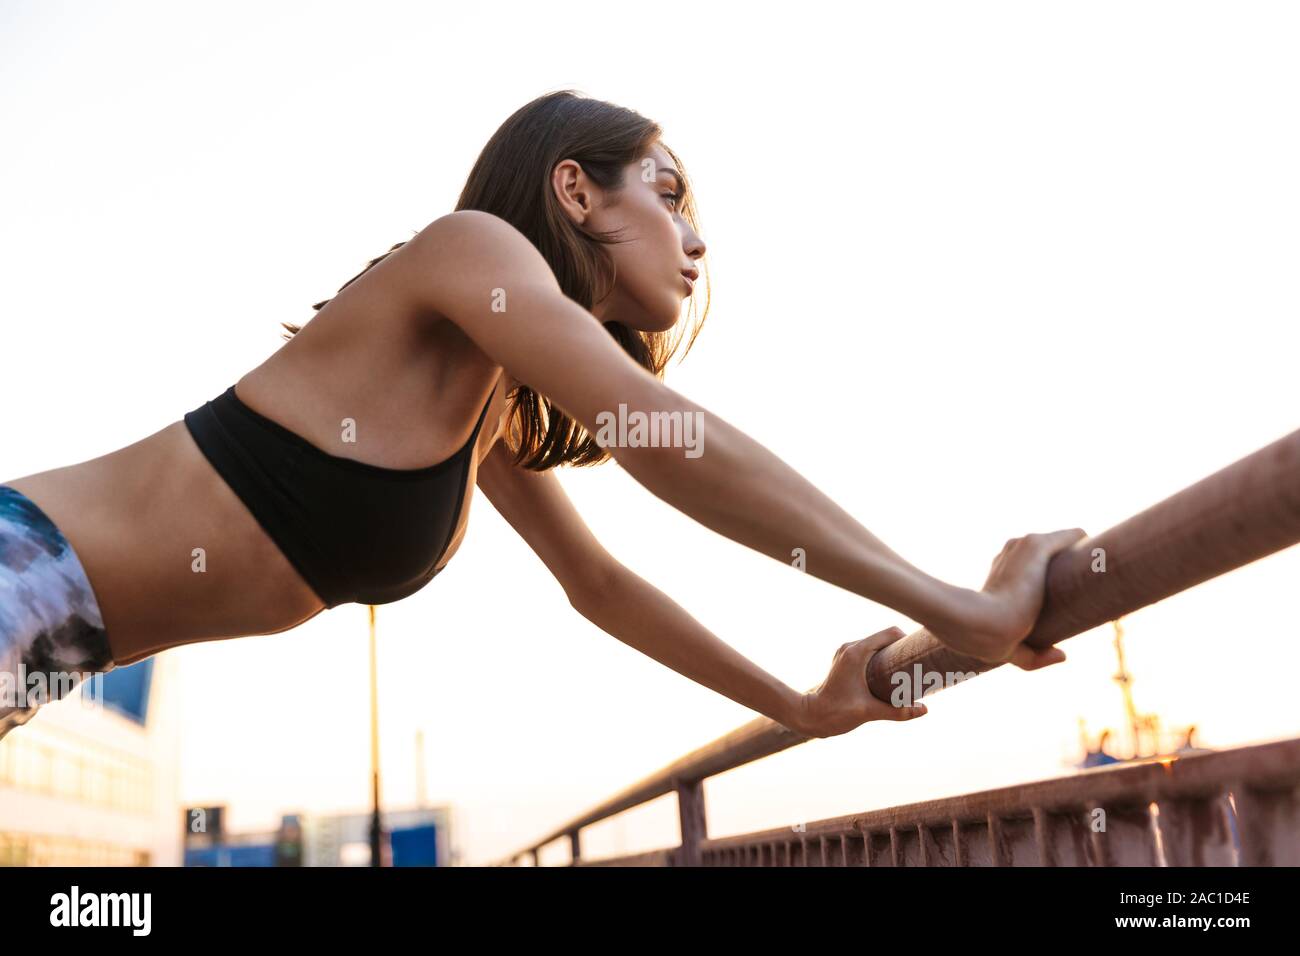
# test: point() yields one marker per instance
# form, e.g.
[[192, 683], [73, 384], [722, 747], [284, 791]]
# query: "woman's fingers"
[[1034, 658], [908, 712], [880, 639], [1022, 655], [1060, 540], [1049, 541], [867, 648]]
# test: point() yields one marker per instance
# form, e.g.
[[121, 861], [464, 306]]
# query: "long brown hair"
[[511, 179]]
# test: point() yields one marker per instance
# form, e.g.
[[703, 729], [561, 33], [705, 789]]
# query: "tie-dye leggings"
[[51, 633]]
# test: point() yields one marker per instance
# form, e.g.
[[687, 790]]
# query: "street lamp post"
[[376, 825]]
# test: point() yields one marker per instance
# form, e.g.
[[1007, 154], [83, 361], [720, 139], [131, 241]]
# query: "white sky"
[[979, 270]]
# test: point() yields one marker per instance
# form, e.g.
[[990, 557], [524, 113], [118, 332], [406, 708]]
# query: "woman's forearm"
[[641, 616], [740, 489]]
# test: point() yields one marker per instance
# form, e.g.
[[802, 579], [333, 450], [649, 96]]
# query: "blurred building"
[[207, 843], [415, 837], [93, 779]]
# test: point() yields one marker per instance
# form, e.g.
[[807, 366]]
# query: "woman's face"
[[659, 248]]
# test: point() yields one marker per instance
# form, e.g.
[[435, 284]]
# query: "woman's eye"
[[675, 197]]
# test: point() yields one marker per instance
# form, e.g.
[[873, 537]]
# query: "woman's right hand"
[[991, 624], [843, 700]]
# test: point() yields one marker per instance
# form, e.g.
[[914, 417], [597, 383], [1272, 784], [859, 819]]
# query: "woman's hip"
[[52, 632]]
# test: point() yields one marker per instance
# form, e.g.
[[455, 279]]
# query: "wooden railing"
[[1235, 516]]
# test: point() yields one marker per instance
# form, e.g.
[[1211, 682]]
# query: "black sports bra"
[[355, 532]]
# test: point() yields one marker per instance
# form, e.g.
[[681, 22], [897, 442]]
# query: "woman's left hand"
[[843, 700]]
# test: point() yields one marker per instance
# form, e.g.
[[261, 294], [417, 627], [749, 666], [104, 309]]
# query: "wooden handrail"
[[1237, 515]]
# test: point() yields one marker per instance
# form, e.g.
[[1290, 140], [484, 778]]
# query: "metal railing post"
[[690, 810]]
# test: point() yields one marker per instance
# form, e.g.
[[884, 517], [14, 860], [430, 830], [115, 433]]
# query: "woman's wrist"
[[966, 620], [934, 604], [951, 608], [796, 717]]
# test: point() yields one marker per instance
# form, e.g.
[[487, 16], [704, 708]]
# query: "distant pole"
[[1125, 681], [419, 768], [376, 825]]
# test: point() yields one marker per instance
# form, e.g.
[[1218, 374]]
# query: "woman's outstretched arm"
[[622, 604], [626, 606], [481, 273]]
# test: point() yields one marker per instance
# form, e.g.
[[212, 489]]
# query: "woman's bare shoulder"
[[468, 224], [467, 252]]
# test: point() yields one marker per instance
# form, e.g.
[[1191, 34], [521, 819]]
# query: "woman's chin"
[[668, 323], [651, 322], [660, 317], [672, 314]]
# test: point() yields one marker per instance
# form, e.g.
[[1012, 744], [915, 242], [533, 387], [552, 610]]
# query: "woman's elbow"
[[591, 587]]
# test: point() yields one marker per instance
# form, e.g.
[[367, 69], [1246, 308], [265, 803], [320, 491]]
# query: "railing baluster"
[[880, 849], [855, 849], [976, 847], [1195, 831], [937, 846], [1268, 825], [997, 853], [1128, 838], [1063, 837], [1017, 844]]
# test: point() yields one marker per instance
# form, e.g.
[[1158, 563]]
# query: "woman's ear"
[[573, 190]]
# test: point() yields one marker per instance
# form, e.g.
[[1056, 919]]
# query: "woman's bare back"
[[412, 385]]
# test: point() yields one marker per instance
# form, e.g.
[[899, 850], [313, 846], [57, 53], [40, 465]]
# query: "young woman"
[[493, 346]]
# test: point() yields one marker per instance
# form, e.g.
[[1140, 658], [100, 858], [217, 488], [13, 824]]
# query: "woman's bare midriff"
[[172, 553]]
